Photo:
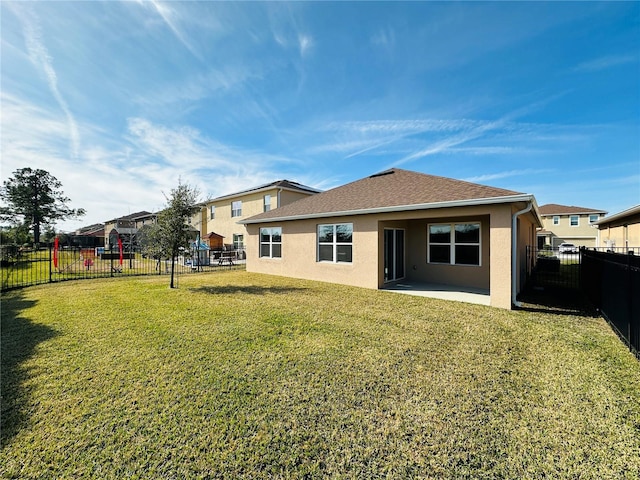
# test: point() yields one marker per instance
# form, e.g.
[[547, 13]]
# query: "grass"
[[237, 375]]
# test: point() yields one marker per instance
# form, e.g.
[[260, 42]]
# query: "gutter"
[[514, 251]]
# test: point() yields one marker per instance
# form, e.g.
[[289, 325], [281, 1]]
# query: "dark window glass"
[[264, 250], [467, 255], [277, 250], [325, 253], [265, 234], [344, 233], [439, 233], [344, 253], [325, 233], [468, 233], [440, 254], [276, 235]]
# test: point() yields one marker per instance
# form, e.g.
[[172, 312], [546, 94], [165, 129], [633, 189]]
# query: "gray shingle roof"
[[386, 190]]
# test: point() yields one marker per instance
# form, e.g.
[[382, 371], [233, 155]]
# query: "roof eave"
[[399, 208], [629, 211], [258, 190]]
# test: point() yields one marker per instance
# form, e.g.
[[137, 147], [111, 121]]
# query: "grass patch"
[[238, 375]]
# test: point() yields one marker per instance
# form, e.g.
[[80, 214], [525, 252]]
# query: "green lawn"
[[236, 375]]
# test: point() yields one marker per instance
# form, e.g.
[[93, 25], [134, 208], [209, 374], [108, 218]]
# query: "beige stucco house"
[[401, 225], [221, 215], [621, 231], [571, 224]]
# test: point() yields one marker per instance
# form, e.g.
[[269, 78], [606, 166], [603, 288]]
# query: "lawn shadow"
[[19, 338], [557, 301], [248, 289]]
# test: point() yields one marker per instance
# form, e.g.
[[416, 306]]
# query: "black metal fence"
[[611, 281], [21, 267], [553, 269]]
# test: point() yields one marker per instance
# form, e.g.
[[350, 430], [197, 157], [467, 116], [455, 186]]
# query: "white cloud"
[[171, 19], [603, 63], [305, 43], [39, 56], [509, 173]]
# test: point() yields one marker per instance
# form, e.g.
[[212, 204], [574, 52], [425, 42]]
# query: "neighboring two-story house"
[[218, 218], [621, 231], [571, 224], [126, 228]]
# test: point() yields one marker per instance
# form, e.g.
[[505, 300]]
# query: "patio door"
[[393, 254]]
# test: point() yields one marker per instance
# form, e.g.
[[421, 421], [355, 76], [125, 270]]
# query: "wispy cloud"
[[509, 173], [353, 138], [476, 131], [603, 63], [385, 38], [171, 19], [39, 56]]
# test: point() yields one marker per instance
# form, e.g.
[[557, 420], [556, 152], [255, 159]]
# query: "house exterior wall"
[[299, 249], [252, 204], [585, 234], [622, 233]]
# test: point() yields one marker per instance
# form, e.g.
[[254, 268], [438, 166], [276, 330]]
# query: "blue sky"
[[119, 100]]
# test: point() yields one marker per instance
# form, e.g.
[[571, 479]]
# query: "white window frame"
[[334, 243], [577, 217], [238, 241], [267, 203], [212, 212], [556, 219], [236, 208], [270, 242], [453, 244]]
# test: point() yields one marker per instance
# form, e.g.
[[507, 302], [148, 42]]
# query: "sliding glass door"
[[393, 254]]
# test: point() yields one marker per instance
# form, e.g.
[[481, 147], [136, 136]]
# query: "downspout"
[[514, 252]]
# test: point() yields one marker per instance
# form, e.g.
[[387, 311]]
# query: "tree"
[[34, 198], [173, 230]]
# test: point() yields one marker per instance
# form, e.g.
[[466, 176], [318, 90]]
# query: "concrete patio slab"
[[444, 292]]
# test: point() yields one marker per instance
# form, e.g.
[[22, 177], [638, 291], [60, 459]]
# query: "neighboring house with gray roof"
[[399, 225], [570, 224], [218, 217], [125, 227]]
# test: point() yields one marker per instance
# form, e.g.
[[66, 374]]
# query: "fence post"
[[50, 269]]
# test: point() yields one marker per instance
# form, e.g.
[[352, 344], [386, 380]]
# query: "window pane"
[[344, 233], [344, 253], [439, 233], [467, 255], [276, 250], [264, 249], [468, 233], [265, 234], [325, 253], [574, 220], [325, 233], [439, 254], [276, 234]]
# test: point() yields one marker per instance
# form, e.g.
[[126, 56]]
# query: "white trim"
[[401, 208], [452, 244], [334, 243]]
